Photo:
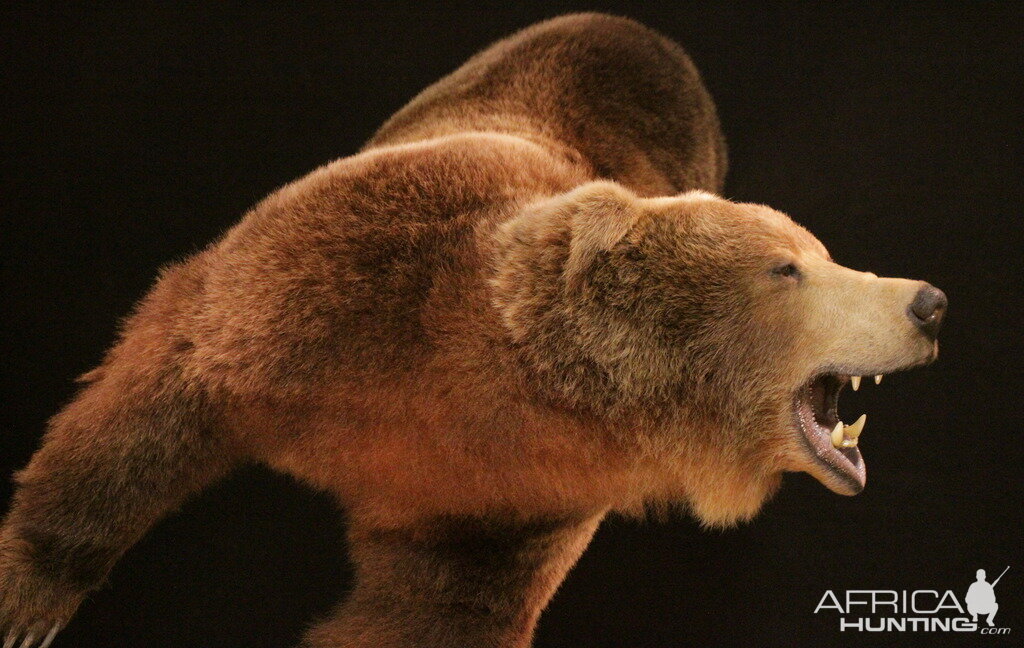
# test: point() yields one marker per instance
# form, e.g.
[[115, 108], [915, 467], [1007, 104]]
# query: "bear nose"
[[928, 309]]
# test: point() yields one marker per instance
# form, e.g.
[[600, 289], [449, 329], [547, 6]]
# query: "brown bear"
[[520, 307]]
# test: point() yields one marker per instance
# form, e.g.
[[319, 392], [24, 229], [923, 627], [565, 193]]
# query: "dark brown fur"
[[394, 328]]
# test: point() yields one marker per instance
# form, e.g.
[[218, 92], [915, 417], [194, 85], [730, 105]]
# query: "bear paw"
[[33, 607]]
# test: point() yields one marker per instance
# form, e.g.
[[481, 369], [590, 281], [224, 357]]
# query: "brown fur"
[[480, 334]]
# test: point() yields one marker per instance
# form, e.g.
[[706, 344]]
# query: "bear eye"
[[786, 270]]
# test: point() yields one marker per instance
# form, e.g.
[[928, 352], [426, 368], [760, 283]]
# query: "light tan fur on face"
[[856, 319]]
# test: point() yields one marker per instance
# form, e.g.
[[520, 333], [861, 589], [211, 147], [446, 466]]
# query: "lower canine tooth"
[[854, 429], [878, 379], [855, 382], [837, 435]]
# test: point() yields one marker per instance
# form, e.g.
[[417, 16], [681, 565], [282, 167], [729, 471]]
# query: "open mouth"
[[832, 443]]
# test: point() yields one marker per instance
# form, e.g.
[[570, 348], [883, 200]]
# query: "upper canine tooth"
[[855, 382], [853, 430], [837, 435], [878, 379]]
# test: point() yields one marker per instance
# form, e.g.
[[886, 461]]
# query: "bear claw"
[[30, 640], [49, 637]]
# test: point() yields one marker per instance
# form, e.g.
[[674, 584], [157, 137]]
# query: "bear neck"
[[455, 581]]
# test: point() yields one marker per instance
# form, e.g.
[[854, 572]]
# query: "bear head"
[[715, 334]]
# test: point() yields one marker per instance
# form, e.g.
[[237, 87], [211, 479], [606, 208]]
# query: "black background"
[[137, 135]]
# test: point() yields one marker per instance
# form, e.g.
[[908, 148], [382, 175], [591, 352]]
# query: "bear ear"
[[596, 216], [601, 214]]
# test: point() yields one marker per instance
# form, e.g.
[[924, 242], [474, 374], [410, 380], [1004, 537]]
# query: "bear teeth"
[[846, 436], [855, 381], [837, 435]]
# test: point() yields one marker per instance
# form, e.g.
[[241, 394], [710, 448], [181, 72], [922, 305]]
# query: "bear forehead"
[[767, 230]]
